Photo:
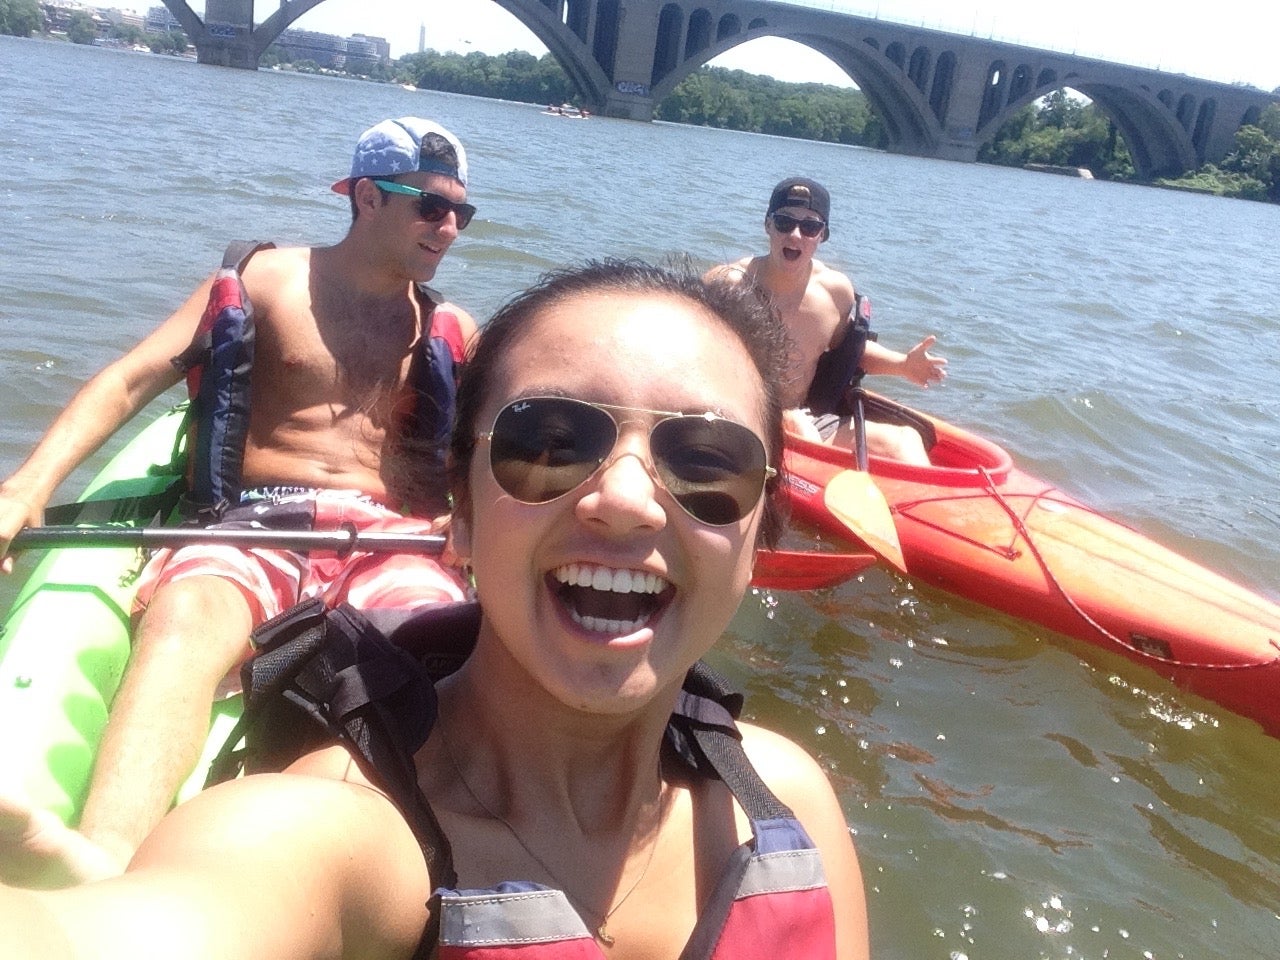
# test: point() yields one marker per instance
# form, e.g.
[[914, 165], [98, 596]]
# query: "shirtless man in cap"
[[820, 307]]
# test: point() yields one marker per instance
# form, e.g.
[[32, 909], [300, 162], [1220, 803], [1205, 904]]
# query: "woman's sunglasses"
[[540, 448], [431, 206], [808, 228]]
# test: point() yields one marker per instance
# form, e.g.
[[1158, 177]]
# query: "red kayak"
[[975, 525]]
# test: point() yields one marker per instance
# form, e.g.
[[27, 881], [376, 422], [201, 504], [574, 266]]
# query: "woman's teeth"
[[608, 600]]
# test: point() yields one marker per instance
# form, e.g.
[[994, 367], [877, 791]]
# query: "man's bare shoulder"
[[271, 264], [837, 285], [737, 272], [278, 280]]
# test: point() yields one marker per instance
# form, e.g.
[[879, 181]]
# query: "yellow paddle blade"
[[854, 499]]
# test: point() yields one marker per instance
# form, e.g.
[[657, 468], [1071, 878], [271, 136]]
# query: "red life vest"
[[772, 901]]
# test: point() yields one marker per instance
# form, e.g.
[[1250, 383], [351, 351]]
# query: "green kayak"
[[65, 641]]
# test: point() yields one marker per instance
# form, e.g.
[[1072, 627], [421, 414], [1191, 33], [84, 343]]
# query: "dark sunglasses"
[[431, 206], [808, 228], [540, 448]]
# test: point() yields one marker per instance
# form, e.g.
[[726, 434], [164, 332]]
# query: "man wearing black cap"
[[820, 306]]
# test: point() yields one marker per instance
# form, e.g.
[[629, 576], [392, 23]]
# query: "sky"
[[1228, 40]]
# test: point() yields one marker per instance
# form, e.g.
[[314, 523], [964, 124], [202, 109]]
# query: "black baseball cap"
[[801, 192]]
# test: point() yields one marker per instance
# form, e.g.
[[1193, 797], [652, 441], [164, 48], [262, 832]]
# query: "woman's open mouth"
[[607, 599]]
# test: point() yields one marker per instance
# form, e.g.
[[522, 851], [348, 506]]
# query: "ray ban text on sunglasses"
[[810, 228], [541, 448], [431, 206]]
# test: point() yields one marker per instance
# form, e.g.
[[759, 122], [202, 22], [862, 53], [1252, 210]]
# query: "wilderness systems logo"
[[802, 486]]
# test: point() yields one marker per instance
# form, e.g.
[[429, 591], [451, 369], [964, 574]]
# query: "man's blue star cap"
[[393, 147]]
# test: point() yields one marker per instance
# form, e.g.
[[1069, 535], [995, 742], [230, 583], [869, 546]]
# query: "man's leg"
[[193, 632], [891, 441]]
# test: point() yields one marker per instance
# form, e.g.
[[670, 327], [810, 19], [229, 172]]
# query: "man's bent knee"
[[201, 618]]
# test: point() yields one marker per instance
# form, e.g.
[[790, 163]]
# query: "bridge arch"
[[908, 111], [579, 45], [1157, 129]]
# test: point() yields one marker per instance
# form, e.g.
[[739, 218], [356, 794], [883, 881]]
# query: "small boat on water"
[[975, 525]]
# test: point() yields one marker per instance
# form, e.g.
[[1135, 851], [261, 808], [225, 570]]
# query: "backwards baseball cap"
[[393, 147], [801, 192]]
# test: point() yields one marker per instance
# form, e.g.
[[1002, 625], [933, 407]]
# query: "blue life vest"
[[219, 365]]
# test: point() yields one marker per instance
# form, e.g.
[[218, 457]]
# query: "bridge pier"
[[631, 102], [222, 52], [227, 38]]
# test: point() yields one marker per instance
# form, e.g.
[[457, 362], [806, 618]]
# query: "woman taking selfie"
[[614, 468]]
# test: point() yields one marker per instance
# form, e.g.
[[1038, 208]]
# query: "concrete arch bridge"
[[937, 94]]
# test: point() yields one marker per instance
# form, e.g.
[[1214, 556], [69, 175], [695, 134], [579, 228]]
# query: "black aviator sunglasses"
[[431, 206], [540, 448]]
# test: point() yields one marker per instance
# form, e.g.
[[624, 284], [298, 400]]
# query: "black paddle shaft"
[[341, 541]]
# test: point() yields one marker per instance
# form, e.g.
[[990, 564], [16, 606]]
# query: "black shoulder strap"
[[238, 253], [147, 508], [321, 676], [705, 720], [703, 732]]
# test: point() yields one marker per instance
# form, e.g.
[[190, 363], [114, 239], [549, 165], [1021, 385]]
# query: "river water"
[[1015, 794]]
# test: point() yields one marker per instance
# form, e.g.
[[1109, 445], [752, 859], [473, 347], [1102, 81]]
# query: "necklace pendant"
[[602, 934]]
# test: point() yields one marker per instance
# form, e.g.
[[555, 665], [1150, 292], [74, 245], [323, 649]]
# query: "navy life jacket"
[[219, 365], [322, 676], [839, 368]]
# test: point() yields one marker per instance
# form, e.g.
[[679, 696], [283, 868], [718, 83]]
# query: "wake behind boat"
[[975, 525]]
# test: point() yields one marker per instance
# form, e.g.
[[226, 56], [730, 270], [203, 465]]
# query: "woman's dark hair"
[[737, 306]]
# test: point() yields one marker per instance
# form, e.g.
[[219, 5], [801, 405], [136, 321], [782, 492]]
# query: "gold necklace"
[[602, 931]]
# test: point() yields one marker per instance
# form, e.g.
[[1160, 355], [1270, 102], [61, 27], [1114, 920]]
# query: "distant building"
[[57, 16], [367, 51], [322, 49], [125, 18], [160, 20], [422, 38]]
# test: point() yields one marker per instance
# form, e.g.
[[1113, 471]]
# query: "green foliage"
[[20, 18], [1269, 122], [271, 57], [129, 34], [175, 42], [81, 28], [516, 75], [1061, 131], [736, 100], [710, 97], [1251, 171]]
